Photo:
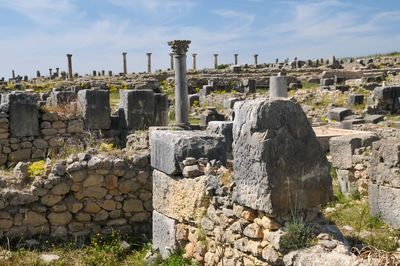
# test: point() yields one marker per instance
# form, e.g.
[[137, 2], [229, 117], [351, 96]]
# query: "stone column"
[[194, 61], [179, 48], [13, 74], [110, 73], [278, 86], [148, 62], [216, 61], [172, 60], [51, 73], [57, 72], [236, 59], [276, 61], [124, 58], [38, 74], [69, 66], [255, 59]]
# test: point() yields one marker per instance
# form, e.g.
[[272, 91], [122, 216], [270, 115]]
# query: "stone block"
[[170, 147], [160, 109], [23, 112], [211, 114], [138, 109], [356, 99], [339, 113], [193, 98], [205, 90], [164, 234], [229, 103], [180, 198], [223, 128], [342, 148], [384, 203], [95, 107], [61, 98], [326, 82], [249, 86], [373, 119], [279, 165]]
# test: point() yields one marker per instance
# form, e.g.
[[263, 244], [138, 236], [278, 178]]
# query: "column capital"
[[69, 55], [194, 55], [256, 55], [215, 54], [148, 54], [179, 47], [124, 53], [236, 54]]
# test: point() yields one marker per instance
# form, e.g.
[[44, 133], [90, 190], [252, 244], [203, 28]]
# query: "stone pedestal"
[[277, 87], [180, 47]]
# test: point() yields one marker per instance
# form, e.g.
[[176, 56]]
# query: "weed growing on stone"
[[298, 234], [36, 169]]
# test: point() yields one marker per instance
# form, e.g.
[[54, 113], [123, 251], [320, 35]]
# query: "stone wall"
[[84, 195]]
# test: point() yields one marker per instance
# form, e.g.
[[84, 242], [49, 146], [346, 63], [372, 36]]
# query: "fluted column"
[[69, 66], [124, 59], [148, 62]]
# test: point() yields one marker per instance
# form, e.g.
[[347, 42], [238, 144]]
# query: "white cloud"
[[155, 5]]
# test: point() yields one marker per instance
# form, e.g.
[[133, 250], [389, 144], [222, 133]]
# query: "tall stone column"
[[179, 48], [255, 59], [236, 59], [216, 61], [148, 62], [124, 59], [13, 74], [69, 66], [51, 73], [172, 60], [38, 74], [194, 61], [57, 72]]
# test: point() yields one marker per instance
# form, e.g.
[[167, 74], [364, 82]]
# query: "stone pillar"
[[277, 61], [194, 61], [124, 58], [51, 73], [110, 73], [172, 60], [103, 72], [179, 48], [94, 73], [69, 66], [255, 59], [236, 59], [148, 62], [13, 74], [57, 72], [216, 61], [38, 74], [277, 86]]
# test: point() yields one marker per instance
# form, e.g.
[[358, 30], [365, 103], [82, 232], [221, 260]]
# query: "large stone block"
[[160, 109], [163, 234], [223, 128], [339, 113], [23, 114], [170, 147], [183, 199], [384, 203], [279, 165], [61, 97], [95, 107], [138, 109], [342, 148]]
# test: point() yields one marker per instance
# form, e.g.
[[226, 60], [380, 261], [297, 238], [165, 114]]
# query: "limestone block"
[[137, 109], [24, 116], [339, 113], [95, 107], [192, 98], [342, 148], [384, 203], [223, 128], [278, 163], [356, 99], [180, 198], [170, 147], [163, 234], [61, 98]]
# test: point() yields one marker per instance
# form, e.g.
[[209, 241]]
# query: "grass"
[[368, 230], [100, 250], [298, 234]]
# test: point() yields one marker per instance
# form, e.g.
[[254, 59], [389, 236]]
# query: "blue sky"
[[36, 34]]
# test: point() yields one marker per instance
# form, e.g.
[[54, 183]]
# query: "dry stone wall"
[[83, 195]]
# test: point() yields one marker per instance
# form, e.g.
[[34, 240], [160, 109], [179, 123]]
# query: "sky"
[[37, 34]]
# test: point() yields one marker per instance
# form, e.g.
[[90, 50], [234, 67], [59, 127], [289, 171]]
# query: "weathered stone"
[[181, 199], [75, 126], [111, 181], [339, 113], [24, 115], [40, 144], [58, 219], [61, 189], [223, 128], [93, 180], [20, 155], [163, 234], [384, 203], [191, 171], [133, 205], [278, 162], [160, 109], [170, 147], [91, 207], [50, 200], [95, 107], [137, 109], [34, 219], [253, 231], [95, 192]]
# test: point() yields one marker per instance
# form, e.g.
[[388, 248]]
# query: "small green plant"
[[333, 171], [36, 169], [223, 66], [106, 146], [176, 259], [298, 234]]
